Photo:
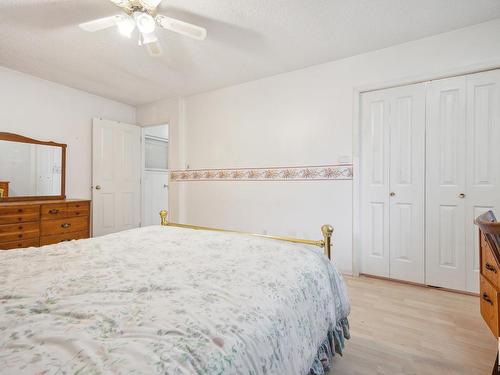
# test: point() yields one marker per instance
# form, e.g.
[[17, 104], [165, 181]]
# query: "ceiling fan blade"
[[181, 27], [99, 24], [148, 38], [122, 3], [154, 49]]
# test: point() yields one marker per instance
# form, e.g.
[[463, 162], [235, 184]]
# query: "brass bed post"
[[164, 217], [327, 231], [325, 243]]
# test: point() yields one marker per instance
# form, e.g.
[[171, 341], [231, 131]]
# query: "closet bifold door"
[[463, 174], [392, 180], [446, 183], [375, 157], [407, 183], [483, 163]]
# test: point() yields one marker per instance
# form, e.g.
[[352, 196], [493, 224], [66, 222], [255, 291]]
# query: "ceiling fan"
[[143, 15]]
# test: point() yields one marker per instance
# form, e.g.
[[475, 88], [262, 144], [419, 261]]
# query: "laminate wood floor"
[[403, 329]]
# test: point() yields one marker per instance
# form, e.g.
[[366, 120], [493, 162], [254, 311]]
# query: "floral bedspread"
[[162, 300]]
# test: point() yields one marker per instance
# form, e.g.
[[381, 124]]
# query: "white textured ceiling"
[[247, 40]]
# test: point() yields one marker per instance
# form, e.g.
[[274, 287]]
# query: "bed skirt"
[[333, 343]]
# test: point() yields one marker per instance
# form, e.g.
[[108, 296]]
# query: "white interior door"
[[446, 182], [155, 190], [407, 183], [375, 158], [482, 163], [392, 180], [116, 176]]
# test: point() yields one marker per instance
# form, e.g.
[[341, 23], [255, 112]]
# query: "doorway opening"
[[154, 172]]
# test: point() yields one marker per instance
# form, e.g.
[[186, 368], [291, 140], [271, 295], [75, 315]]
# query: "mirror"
[[31, 169]]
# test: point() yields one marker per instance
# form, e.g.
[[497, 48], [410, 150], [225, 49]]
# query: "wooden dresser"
[[39, 223], [4, 189], [489, 259]]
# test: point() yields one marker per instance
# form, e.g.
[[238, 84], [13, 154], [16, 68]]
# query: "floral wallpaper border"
[[309, 173]]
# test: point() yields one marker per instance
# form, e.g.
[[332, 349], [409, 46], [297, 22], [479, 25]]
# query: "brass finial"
[[164, 217], [327, 230]]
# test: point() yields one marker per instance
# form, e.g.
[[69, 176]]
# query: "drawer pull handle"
[[20, 227], [489, 267], [20, 210], [487, 299], [20, 236], [65, 225], [54, 211]]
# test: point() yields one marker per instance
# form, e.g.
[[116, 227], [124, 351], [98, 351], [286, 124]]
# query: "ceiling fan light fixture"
[[145, 23], [142, 14], [126, 26]]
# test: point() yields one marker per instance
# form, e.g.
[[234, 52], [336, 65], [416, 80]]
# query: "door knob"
[[98, 187], [165, 185], [461, 195], [392, 194]]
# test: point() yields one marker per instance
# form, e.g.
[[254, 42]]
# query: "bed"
[[171, 300]]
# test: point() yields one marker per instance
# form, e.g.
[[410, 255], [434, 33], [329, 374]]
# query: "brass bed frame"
[[325, 243]]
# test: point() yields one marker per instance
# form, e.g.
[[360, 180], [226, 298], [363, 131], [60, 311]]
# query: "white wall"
[[303, 118], [47, 111]]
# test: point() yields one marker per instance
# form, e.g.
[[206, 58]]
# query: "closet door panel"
[[375, 183], [446, 181], [407, 174], [483, 161]]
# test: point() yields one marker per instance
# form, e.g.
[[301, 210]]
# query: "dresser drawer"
[[49, 240], [67, 225], [53, 211], [20, 244], [19, 214], [16, 210], [16, 232], [78, 209], [489, 266], [489, 304]]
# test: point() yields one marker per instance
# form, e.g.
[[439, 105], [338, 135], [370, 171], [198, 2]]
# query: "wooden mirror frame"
[[21, 139]]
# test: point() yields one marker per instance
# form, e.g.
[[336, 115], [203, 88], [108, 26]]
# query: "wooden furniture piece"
[[10, 138], [32, 220], [4, 189], [43, 222], [489, 260]]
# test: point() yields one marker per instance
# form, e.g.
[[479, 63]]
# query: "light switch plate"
[[344, 159]]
